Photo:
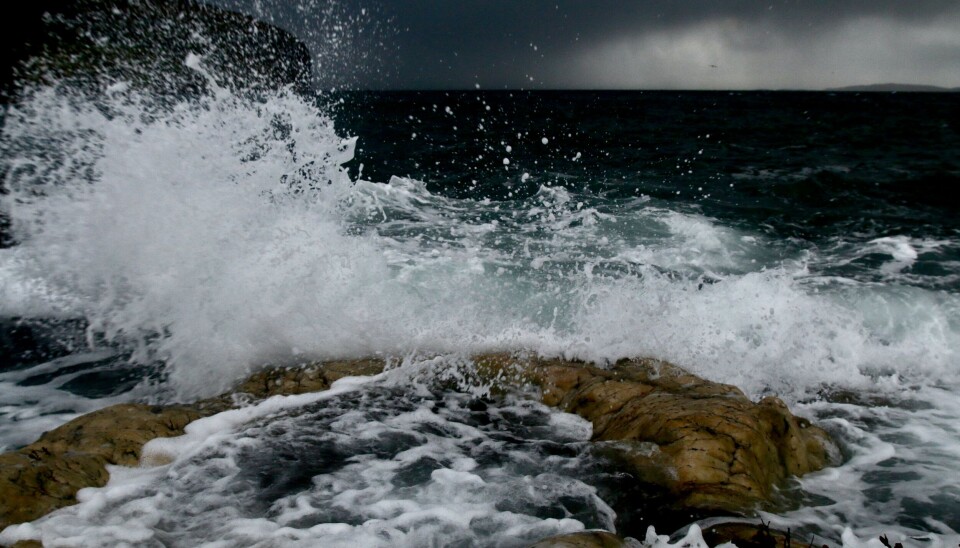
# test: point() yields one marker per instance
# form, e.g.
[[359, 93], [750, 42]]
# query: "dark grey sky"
[[653, 44]]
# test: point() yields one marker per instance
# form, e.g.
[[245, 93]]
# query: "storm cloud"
[[656, 44]]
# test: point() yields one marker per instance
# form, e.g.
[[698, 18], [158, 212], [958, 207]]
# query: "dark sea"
[[805, 245]]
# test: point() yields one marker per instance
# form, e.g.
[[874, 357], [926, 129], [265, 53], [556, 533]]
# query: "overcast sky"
[[638, 44]]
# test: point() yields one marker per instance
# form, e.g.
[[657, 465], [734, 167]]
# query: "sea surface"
[[805, 245]]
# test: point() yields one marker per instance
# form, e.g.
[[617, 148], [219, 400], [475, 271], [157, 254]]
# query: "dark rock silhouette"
[[93, 43]]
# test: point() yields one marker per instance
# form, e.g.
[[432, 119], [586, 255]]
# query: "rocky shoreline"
[[95, 44], [701, 447]]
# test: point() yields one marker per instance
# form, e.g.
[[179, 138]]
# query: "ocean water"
[[799, 244]]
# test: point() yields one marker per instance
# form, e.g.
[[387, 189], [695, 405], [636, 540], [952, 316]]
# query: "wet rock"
[[706, 444], [28, 544], [865, 399], [710, 446], [94, 43], [27, 341], [583, 539], [47, 474], [301, 380], [751, 535]]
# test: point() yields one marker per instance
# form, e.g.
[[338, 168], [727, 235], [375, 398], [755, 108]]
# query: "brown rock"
[[750, 535], [302, 380], [711, 447], [47, 474], [705, 443], [28, 544], [583, 539]]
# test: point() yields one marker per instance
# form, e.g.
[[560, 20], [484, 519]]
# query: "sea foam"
[[224, 233]]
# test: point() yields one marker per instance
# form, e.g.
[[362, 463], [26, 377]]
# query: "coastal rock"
[[583, 539], [28, 544], [706, 444], [750, 535], [144, 43], [25, 342], [47, 474], [301, 380], [90, 46], [712, 448]]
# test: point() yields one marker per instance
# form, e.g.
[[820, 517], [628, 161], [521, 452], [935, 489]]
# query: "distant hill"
[[895, 87]]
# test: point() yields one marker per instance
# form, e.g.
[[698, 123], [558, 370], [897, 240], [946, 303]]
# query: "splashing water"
[[224, 233]]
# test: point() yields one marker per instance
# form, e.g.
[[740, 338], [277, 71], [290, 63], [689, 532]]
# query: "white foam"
[[28, 409], [230, 229], [902, 254], [693, 538], [898, 478], [207, 494], [900, 248], [24, 295]]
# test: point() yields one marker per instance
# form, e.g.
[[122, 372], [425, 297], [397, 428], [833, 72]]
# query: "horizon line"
[[845, 89]]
